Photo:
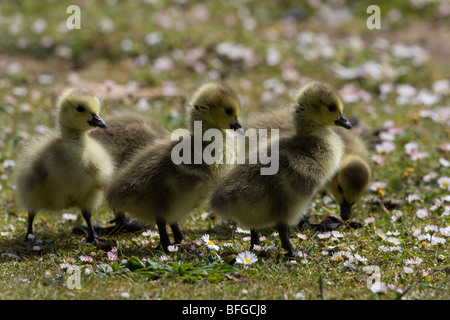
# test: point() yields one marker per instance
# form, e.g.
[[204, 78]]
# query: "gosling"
[[66, 168], [153, 188], [308, 158], [354, 174], [125, 135]]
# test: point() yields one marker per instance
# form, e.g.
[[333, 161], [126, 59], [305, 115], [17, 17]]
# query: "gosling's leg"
[[254, 239], [31, 215], [177, 234], [92, 236], [285, 242], [164, 241], [346, 210]]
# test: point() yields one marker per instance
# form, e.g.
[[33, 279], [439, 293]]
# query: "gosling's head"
[[318, 103], [216, 105], [350, 183], [79, 110]]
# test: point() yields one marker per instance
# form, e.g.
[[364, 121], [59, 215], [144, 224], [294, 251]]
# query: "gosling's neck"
[[73, 135], [306, 127], [197, 131], [195, 128]]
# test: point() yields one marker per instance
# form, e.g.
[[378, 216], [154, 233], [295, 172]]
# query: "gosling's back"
[[128, 133]]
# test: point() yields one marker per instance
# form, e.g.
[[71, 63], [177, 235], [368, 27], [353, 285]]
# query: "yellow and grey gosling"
[[354, 174], [153, 188], [66, 168], [125, 135], [308, 158]]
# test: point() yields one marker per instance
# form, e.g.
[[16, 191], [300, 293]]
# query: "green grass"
[[331, 266]]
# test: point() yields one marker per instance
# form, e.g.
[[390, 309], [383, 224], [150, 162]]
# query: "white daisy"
[[408, 270], [444, 183], [209, 243], [86, 259], [375, 186], [246, 258], [385, 147], [445, 163], [69, 216], [412, 197], [421, 213], [239, 230], [430, 176]]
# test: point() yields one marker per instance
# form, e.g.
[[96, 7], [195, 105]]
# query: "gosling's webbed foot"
[[304, 220], [99, 242], [124, 225], [29, 239], [130, 227], [91, 240], [328, 224], [91, 237], [355, 224], [187, 246], [290, 256], [163, 248], [83, 230]]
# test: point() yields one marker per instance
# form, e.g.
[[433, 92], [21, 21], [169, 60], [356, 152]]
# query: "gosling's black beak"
[[346, 210], [343, 122], [236, 126], [96, 121]]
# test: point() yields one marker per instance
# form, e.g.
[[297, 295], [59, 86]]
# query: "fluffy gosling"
[[308, 158], [66, 168], [354, 174], [125, 135], [153, 188]]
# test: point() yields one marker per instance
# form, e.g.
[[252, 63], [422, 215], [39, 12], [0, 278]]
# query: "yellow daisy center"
[[247, 260]]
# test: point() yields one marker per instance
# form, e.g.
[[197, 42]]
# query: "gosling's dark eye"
[[228, 111], [81, 109], [332, 107], [340, 189]]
